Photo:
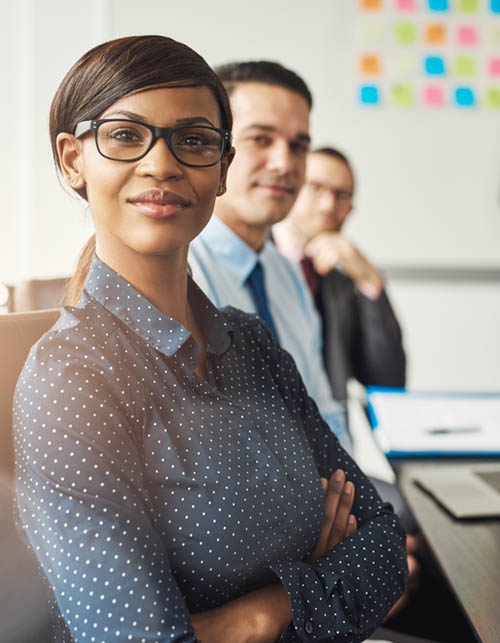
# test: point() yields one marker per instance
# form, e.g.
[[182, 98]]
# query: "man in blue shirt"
[[271, 136]]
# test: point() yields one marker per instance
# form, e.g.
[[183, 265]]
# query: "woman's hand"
[[413, 577], [257, 617], [261, 616], [339, 521]]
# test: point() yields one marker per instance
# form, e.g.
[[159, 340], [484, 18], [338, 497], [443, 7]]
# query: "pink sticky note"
[[433, 96], [494, 66], [467, 35], [406, 5]]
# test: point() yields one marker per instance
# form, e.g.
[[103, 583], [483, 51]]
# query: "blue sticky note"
[[495, 6], [369, 95], [464, 97], [439, 5], [434, 65]]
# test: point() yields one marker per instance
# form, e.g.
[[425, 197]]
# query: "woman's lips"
[[159, 204]]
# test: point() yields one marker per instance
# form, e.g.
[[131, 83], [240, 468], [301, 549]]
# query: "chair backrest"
[[18, 332], [38, 294], [25, 614]]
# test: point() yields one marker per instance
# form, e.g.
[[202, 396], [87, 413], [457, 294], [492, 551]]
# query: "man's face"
[[271, 138], [325, 200]]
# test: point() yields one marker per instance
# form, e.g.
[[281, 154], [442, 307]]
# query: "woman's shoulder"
[[73, 337]]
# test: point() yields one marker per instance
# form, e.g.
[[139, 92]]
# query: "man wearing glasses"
[[361, 335]]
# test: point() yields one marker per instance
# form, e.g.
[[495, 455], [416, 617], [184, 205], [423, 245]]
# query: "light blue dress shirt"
[[221, 262]]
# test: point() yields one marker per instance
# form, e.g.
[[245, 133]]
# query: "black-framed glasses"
[[123, 140]]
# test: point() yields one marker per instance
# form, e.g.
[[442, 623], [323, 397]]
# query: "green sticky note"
[[492, 97], [402, 95], [465, 66], [405, 33], [468, 6]]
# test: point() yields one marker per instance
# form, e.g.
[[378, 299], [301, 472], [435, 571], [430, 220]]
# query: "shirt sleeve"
[[348, 591], [83, 505]]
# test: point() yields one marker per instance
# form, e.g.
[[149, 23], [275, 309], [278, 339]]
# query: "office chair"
[[38, 294], [25, 616]]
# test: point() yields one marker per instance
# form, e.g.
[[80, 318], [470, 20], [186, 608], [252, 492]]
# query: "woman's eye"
[[126, 135], [193, 141]]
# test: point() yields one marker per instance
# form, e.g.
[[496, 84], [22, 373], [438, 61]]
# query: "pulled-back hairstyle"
[[262, 71], [110, 71], [119, 67]]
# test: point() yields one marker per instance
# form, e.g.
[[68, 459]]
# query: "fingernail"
[[338, 476], [348, 488]]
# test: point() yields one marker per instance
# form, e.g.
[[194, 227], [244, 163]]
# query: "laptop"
[[466, 491]]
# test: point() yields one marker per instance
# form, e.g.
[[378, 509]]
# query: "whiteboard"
[[428, 179]]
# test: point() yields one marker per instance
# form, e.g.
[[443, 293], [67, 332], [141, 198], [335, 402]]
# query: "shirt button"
[[308, 627]]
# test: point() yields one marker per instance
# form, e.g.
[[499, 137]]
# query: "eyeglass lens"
[[126, 141]]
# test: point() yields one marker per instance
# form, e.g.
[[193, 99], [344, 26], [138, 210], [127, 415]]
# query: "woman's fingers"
[[339, 522], [342, 512]]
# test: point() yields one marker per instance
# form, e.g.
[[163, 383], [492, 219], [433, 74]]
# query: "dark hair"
[[262, 71], [119, 67], [336, 154]]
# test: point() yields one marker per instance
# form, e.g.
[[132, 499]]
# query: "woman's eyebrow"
[[132, 116]]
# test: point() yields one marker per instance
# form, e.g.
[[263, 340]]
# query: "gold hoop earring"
[[222, 190]]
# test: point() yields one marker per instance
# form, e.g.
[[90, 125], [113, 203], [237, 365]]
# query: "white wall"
[[428, 182]]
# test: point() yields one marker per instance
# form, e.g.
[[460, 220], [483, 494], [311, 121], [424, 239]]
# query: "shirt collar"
[[230, 249], [159, 330], [286, 243]]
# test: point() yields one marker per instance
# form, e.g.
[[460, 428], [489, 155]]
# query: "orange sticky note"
[[370, 65], [435, 33], [371, 5]]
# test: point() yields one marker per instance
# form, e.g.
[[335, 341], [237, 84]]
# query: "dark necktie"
[[310, 274], [256, 282]]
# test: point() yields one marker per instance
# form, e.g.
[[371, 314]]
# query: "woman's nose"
[[159, 162]]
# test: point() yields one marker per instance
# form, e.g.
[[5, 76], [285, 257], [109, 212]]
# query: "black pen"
[[453, 430]]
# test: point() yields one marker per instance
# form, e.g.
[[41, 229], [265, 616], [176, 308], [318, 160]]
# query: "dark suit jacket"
[[361, 338]]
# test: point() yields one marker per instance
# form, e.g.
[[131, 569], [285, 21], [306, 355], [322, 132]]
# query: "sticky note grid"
[[431, 54]]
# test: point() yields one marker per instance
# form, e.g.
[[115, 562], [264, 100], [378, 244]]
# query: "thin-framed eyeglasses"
[[340, 195], [126, 140]]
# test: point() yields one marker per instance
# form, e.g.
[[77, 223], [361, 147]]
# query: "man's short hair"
[[262, 71], [333, 152]]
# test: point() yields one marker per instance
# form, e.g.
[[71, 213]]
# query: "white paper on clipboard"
[[434, 423]]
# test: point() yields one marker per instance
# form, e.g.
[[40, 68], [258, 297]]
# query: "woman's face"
[[154, 206]]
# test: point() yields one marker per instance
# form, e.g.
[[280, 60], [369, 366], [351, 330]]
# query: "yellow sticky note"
[[468, 6], [370, 65], [492, 97], [464, 66], [402, 95], [435, 33], [405, 33]]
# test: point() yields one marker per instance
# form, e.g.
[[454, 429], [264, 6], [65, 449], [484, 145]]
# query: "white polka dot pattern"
[[148, 493]]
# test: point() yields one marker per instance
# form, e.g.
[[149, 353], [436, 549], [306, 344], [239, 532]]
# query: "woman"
[[171, 468]]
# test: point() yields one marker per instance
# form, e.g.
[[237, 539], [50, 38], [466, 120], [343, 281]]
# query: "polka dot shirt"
[[148, 493]]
